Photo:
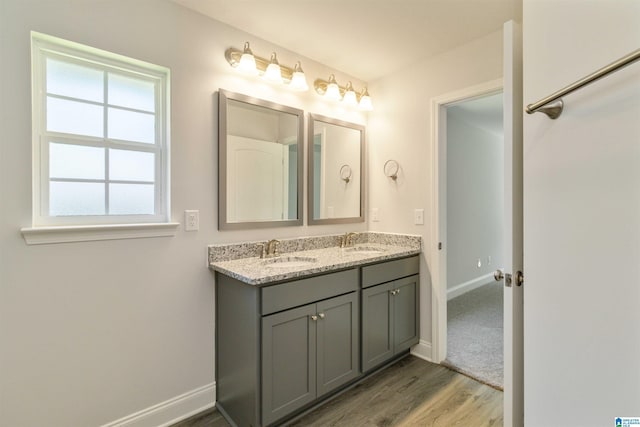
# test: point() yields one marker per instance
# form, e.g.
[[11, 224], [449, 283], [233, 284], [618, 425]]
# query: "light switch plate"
[[375, 215], [418, 216]]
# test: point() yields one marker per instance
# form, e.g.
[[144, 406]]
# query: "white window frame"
[[117, 226]]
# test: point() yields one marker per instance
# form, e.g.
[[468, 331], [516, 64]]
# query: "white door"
[[513, 307], [582, 216], [255, 180]]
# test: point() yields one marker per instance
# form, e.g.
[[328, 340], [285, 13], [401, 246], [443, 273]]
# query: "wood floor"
[[412, 392]]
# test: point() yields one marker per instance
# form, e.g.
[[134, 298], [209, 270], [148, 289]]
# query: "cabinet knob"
[[321, 315], [393, 292], [314, 317], [397, 291]]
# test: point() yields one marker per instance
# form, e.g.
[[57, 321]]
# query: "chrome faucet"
[[347, 239], [272, 248]]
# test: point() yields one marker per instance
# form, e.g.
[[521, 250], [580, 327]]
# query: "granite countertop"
[[300, 263]]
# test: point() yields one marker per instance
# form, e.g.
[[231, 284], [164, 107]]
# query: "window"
[[100, 129]]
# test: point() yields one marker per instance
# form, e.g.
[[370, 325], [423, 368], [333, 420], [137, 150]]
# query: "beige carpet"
[[475, 334]]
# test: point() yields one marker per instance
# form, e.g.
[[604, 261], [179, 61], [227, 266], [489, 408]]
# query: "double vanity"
[[298, 320], [296, 328]]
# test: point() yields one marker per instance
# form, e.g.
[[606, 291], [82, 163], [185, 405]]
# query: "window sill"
[[88, 233]]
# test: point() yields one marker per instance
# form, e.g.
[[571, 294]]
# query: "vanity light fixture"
[[272, 71], [349, 97], [333, 91], [247, 62], [298, 80], [365, 100]]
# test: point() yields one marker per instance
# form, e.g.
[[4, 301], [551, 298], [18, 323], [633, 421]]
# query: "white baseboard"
[[470, 285], [422, 350], [171, 411]]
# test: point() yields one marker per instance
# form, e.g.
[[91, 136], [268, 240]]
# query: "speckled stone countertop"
[[307, 256]]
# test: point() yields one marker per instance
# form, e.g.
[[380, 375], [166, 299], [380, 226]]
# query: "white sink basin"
[[366, 250], [289, 262]]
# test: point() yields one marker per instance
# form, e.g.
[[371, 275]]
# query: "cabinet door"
[[288, 362], [377, 323], [405, 311], [338, 339]]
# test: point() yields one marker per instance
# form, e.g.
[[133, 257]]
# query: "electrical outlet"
[[418, 216], [191, 220], [375, 215], [489, 260]]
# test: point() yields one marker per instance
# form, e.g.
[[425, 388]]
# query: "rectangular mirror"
[[260, 156], [336, 171]]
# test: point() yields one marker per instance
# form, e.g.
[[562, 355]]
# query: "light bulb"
[[365, 101], [333, 91], [349, 98], [298, 79], [247, 62], [273, 72]]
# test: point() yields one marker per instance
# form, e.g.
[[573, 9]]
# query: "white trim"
[[171, 411], [469, 285], [438, 213], [422, 350], [87, 233]]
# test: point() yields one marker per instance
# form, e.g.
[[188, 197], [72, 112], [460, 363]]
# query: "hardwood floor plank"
[[410, 393]]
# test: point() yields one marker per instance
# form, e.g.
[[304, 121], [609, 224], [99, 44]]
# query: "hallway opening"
[[474, 236]]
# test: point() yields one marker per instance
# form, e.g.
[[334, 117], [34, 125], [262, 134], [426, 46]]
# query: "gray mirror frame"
[[310, 220], [223, 224]]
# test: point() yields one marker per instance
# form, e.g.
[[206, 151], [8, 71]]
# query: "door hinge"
[[439, 246]]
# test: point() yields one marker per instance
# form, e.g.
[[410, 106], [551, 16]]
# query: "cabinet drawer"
[[391, 270], [298, 292]]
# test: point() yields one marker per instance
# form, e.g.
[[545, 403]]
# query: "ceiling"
[[366, 39]]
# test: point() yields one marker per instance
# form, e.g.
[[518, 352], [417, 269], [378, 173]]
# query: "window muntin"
[[100, 137]]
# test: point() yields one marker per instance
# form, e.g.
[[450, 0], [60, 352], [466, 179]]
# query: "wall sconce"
[[332, 90], [272, 71]]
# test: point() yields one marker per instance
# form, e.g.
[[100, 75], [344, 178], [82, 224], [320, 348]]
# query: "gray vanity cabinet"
[[281, 347], [307, 352], [288, 362], [390, 310]]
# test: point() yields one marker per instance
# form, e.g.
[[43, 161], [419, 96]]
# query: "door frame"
[[438, 259]]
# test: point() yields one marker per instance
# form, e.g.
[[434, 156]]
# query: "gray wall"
[[475, 199], [95, 331], [400, 128]]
